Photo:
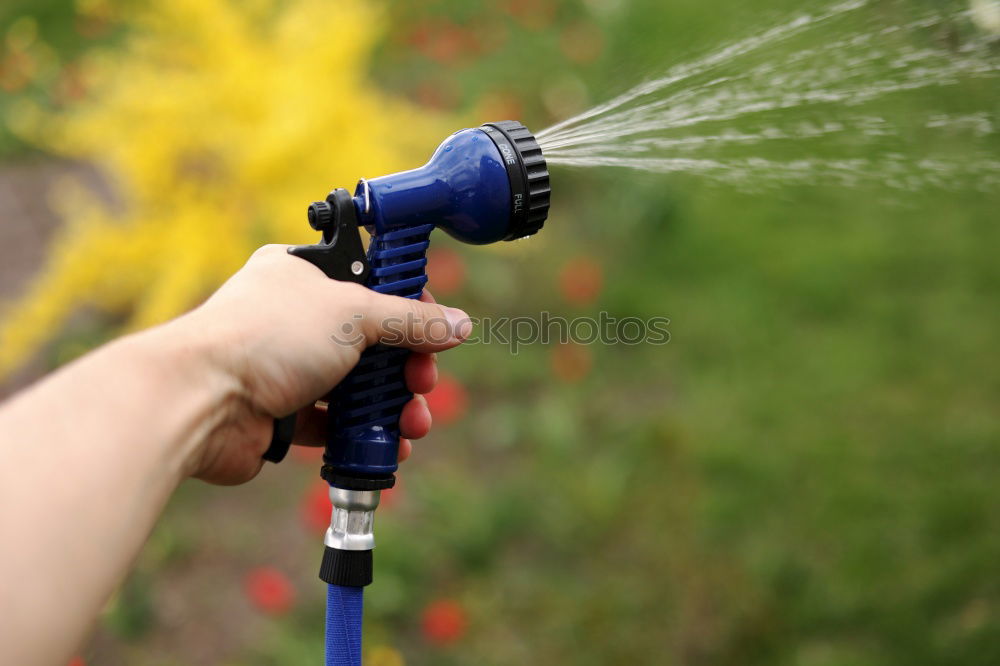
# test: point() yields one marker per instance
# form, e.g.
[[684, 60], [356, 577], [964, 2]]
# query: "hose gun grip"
[[362, 446]]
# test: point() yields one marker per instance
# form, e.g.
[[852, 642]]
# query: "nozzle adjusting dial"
[[320, 215], [528, 174]]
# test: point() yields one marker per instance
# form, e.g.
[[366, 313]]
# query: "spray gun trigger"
[[340, 254]]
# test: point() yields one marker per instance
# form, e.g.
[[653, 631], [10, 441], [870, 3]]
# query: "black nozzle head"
[[528, 174]]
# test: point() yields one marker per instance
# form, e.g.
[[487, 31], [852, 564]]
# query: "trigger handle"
[[341, 256], [281, 439]]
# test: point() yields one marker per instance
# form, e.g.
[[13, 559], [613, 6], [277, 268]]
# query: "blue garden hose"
[[343, 625]]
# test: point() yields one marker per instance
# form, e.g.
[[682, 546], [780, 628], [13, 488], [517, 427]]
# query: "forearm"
[[88, 459]]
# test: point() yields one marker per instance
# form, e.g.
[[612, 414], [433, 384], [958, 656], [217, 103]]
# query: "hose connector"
[[347, 557]]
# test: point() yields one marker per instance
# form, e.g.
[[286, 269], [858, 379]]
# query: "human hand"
[[271, 334]]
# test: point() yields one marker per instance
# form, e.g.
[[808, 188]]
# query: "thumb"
[[416, 325]]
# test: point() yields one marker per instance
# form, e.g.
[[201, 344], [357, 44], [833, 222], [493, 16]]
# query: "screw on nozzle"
[[347, 555], [320, 215]]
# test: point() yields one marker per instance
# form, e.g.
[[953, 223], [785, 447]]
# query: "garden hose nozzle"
[[348, 542], [481, 186]]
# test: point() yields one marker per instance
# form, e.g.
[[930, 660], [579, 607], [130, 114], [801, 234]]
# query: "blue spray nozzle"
[[481, 186]]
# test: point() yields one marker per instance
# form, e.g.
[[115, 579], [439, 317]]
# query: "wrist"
[[187, 363]]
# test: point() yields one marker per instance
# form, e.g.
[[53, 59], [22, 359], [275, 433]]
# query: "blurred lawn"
[[806, 474]]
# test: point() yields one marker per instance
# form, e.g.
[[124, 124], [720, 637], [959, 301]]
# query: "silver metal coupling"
[[352, 522]]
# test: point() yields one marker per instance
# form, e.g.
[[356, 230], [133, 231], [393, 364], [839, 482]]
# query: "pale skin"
[[90, 455]]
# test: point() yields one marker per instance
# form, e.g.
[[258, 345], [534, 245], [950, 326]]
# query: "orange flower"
[[448, 400], [443, 621], [77, 661], [445, 269], [580, 280], [571, 362], [269, 590]]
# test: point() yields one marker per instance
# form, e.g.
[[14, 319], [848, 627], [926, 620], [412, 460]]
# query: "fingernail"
[[461, 325]]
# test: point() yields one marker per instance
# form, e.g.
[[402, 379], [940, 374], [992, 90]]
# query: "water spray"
[[790, 91], [481, 186]]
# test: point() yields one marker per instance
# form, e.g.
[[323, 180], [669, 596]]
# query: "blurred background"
[[806, 474]]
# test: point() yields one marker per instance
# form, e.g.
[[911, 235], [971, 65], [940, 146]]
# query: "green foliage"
[[130, 614], [60, 32]]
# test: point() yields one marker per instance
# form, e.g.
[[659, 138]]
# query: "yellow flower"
[[216, 124], [383, 655]]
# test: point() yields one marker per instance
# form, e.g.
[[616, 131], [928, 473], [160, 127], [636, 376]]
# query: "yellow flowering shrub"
[[215, 124]]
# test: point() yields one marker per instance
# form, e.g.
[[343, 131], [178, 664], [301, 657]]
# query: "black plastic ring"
[[517, 174], [330, 475]]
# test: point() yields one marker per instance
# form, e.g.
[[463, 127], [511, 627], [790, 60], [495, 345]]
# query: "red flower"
[[391, 496], [447, 401], [315, 507], [443, 621], [269, 590], [445, 270], [580, 281], [77, 661], [571, 362]]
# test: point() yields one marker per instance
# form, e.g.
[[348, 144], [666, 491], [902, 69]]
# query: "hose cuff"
[[352, 568]]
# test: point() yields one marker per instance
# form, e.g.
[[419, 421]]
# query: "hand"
[[271, 332]]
